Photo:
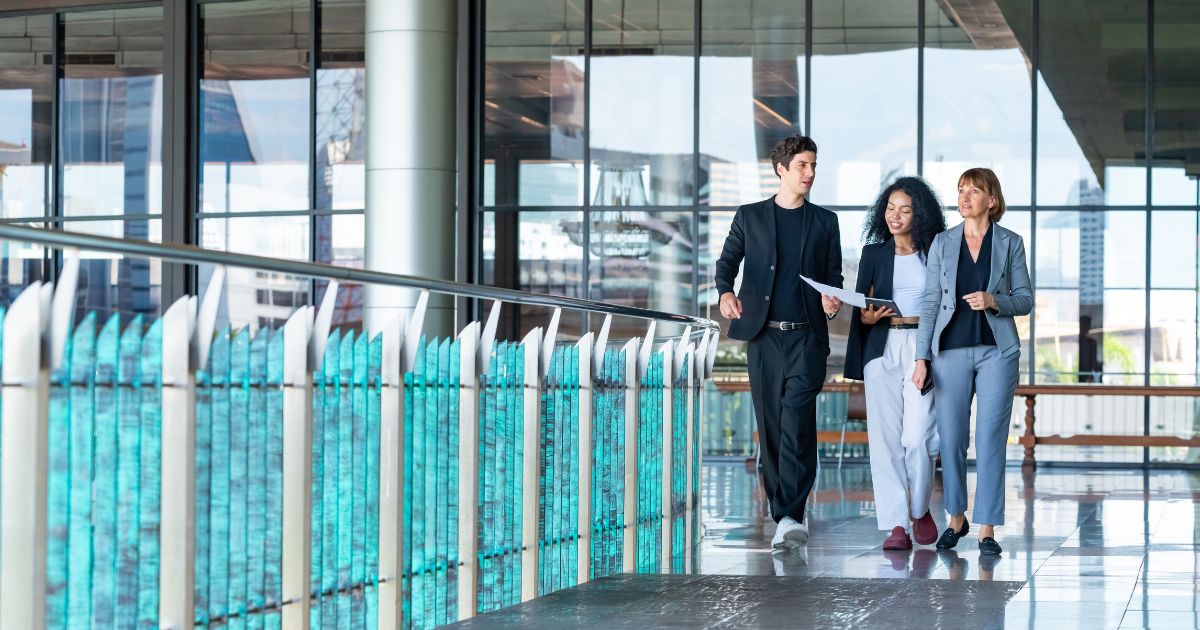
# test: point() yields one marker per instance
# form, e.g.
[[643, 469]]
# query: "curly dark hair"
[[928, 219]]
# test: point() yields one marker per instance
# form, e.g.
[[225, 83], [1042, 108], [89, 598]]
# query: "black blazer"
[[752, 237], [867, 343]]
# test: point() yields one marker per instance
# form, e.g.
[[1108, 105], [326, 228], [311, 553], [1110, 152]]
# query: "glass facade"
[[683, 101], [279, 138]]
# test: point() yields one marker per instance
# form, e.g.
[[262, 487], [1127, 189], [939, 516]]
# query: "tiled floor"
[[1082, 549]]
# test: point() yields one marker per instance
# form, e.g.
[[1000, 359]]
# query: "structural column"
[[411, 49]]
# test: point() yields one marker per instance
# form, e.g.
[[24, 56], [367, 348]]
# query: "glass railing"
[[184, 470]]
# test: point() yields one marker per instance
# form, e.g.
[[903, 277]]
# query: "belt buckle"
[[787, 326]]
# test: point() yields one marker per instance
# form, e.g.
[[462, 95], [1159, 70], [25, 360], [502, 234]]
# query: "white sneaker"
[[789, 534]]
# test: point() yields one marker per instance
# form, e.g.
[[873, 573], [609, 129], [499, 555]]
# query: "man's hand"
[[830, 304], [731, 306], [920, 373]]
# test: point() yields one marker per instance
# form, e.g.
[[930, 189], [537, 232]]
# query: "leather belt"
[[788, 325], [904, 326]]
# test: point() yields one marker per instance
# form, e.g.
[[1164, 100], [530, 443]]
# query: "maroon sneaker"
[[898, 540], [925, 530]]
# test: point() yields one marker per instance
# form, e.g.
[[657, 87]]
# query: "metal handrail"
[[200, 255]]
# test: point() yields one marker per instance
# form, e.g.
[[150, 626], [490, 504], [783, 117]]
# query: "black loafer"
[[989, 547], [950, 537]]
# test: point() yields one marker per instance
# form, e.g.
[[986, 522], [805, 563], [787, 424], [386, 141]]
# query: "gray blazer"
[[1008, 283]]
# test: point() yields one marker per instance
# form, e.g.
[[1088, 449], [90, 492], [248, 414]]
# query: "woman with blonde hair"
[[977, 282]]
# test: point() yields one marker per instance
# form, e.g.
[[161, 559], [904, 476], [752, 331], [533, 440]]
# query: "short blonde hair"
[[985, 179]]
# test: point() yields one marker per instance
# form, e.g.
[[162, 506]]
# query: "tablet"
[[881, 303]]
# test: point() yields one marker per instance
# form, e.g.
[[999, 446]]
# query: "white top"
[[908, 284]]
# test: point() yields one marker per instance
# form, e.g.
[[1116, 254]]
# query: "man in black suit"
[[785, 322]]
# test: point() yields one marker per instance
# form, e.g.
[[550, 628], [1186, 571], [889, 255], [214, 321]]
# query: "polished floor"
[[1082, 549]]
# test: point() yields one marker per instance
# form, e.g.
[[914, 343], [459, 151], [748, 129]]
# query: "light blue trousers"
[[992, 378]]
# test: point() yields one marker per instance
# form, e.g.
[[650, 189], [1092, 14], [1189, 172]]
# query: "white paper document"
[[847, 297]]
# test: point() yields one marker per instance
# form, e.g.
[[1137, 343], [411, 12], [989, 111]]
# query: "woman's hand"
[[871, 315], [920, 373], [980, 300]]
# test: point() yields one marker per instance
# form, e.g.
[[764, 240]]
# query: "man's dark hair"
[[787, 149]]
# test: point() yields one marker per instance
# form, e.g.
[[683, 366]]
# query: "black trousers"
[[787, 370]]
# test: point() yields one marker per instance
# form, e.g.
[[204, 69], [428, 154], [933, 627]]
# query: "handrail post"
[[25, 399], [584, 541], [391, 477], [297, 470], [468, 475], [629, 520], [530, 488], [668, 453], [177, 503]]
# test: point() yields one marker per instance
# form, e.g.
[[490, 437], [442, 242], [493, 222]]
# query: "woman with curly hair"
[[882, 350]]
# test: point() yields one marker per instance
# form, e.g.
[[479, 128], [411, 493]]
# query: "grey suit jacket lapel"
[[950, 254], [999, 256]]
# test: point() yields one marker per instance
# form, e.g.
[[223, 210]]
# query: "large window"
[[300, 193], [1107, 207], [26, 94], [97, 166]]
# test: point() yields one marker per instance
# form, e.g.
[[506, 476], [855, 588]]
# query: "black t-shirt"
[[786, 302], [968, 328]]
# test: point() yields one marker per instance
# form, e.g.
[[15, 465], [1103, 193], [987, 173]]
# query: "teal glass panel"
[[448, 482], [239, 405], [219, 475], [608, 465], [501, 435], [425, 525], [649, 477], [374, 420], [359, 483], [415, 497], [273, 587], [559, 495], [203, 537], [514, 420], [325, 605], [408, 557], [83, 412], [256, 478], [345, 518], [679, 479], [431, 486], [317, 523], [59, 482], [487, 476], [104, 479], [345, 480], [129, 412], [150, 473]]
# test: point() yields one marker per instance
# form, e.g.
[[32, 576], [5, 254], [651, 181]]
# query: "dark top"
[[865, 343], [750, 250], [786, 301], [968, 328]]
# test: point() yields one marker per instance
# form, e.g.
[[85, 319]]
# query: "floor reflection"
[[1107, 548]]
